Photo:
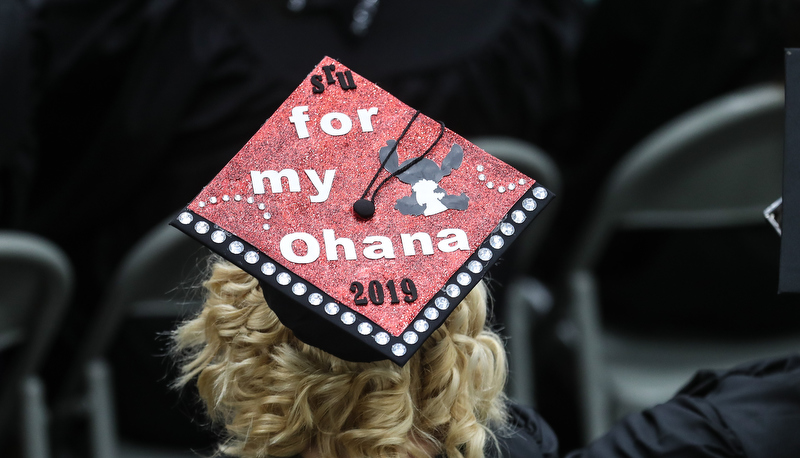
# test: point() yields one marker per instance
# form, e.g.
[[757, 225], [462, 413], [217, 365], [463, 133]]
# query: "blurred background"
[[659, 126]]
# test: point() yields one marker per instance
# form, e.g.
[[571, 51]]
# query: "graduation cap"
[[365, 221]]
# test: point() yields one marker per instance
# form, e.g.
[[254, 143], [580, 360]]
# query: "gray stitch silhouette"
[[427, 197]]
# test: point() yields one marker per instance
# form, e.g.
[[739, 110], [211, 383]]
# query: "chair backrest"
[[535, 163], [36, 282], [157, 278], [718, 165]]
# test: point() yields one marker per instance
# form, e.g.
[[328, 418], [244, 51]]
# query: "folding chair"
[[153, 280], [36, 281], [523, 298], [717, 166]]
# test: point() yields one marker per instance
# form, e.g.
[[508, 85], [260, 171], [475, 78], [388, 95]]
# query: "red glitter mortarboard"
[[434, 213]]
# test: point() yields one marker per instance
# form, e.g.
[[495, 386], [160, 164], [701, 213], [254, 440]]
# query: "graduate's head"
[[277, 396]]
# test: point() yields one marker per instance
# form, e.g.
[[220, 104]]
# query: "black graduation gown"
[[529, 436], [751, 411]]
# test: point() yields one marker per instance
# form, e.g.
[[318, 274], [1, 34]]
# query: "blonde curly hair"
[[277, 396]]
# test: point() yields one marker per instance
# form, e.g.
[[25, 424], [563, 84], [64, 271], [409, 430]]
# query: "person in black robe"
[[131, 98], [750, 411]]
